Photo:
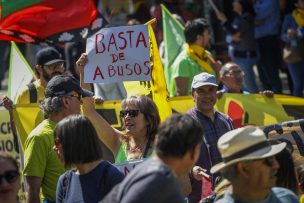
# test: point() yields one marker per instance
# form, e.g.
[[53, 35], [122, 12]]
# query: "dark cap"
[[48, 56], [61, 85]]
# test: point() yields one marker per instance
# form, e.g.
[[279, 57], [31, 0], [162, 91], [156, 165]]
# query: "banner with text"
[[118, 54]]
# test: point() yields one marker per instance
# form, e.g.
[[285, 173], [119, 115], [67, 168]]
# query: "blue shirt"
[[225, 89], [267, 18], [90, 187], [277, 195]]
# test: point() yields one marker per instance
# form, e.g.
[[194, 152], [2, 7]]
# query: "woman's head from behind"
[[76, 141], [144, 118], [9, 178]]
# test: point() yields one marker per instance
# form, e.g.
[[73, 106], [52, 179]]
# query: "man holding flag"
[[194, 60]]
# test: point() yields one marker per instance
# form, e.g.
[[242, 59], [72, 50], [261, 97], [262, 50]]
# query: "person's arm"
[[181, 85], [33, 188], [106, 133]]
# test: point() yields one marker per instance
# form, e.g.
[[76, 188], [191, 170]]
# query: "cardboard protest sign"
[[118, 54]]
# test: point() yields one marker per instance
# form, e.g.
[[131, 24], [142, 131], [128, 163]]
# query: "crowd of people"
[[70, 155]]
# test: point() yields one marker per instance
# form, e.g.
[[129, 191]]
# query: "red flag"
[[49, 20]]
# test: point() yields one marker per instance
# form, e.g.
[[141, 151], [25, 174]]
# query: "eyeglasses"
[[10, 176], [235, 72], [76, 96], [130, 112], [56, 66]]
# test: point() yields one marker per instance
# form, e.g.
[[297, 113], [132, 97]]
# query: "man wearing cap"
[[42, 166], [48, 64], [214, 123], [250, 165]]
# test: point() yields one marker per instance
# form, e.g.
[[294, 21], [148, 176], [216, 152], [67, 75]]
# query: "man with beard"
[[193, 60], [250, 165], [214, 123], [48, 64]]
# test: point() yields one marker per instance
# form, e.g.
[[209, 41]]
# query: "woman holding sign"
[[140, 120]]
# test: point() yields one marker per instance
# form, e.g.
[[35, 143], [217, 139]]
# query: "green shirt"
[[41, 160], [183, 66], [121, 154]]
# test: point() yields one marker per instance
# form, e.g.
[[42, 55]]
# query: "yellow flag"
[[157, 87]]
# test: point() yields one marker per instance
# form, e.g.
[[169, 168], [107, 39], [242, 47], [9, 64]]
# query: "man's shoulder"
[[150, 171], [284, 195], [44, 130], [24, 95], [222, 115], [183, 59]]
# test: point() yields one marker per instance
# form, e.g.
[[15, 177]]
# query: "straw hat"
[[243, 144]]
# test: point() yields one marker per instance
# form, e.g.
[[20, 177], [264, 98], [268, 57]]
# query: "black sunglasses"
[[10, 176], [130, 112]]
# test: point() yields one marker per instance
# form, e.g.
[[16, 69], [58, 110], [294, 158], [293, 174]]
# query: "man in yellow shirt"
[[48, 64]]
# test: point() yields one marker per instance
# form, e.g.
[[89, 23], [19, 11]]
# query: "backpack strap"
[[32, 93], [65, 183]]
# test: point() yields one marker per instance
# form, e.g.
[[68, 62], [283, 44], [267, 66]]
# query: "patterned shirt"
[[213, 130]]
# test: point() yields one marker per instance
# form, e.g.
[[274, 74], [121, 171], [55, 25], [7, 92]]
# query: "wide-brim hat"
[[244, 144]]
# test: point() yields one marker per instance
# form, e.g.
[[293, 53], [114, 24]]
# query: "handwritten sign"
[[118, 54], [128, 166]]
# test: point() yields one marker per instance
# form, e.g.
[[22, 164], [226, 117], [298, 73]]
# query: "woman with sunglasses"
[[140, 119], [77, 145], [9, 179]]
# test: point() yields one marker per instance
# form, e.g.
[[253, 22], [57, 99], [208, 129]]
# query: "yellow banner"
[[243, 109]]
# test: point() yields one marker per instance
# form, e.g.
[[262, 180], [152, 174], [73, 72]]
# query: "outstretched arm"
[[106, 133]]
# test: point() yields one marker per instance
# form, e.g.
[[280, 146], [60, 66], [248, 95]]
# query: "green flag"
[[173, 39]]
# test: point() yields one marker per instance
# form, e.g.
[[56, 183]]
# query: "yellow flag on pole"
[[156, 88]]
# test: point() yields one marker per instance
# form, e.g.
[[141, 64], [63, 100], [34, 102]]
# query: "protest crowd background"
[[152, 101]]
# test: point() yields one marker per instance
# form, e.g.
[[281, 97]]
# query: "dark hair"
[[8, 157], [247, 7], [193, 28], [177, 135], [79, 140], [147, 107]]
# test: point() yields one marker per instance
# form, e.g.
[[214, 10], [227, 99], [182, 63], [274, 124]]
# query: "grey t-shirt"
[[150, 182], [277, 195]]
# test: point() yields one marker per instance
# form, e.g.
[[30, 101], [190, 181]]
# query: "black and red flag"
[[51, 21]]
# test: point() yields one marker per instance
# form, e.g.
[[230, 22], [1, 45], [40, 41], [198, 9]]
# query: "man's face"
[[203, 40], [233, 78], [205, 97], [49, 71], [74, 102], [262, 174]]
